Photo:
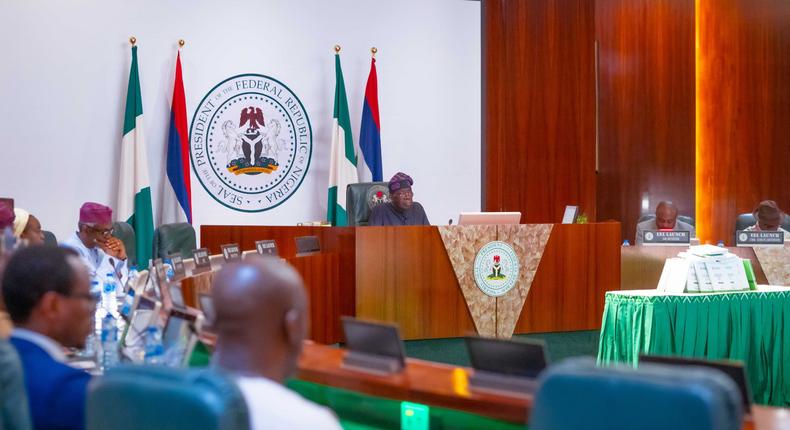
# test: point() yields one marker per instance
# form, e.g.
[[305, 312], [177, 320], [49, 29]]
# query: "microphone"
[[450, 222]]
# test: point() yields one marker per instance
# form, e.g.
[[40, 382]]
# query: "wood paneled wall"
[[538, 107], [743, 110], [646, 107]]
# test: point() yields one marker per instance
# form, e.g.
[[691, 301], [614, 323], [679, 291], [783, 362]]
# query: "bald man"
[[666, 219], [261, 322]]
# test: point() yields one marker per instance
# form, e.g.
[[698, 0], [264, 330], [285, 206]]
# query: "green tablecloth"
[[752, 327]]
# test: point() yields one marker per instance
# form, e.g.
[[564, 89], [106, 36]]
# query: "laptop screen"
[[373, 338], [518, 358]]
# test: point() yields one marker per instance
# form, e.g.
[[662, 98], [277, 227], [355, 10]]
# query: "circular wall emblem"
[[496, 268], [648, 235], [250, 143], [743, 237]]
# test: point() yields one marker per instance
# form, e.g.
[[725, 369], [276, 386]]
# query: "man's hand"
[[114, 248]]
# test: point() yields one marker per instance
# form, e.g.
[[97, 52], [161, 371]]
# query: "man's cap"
[[767, 209], [95, 213], [400, 181]]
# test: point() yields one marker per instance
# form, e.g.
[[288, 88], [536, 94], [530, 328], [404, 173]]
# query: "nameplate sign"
[[231, 252], [747, 238], [266, 247], [177, 262], [666, 238], [202, 260]]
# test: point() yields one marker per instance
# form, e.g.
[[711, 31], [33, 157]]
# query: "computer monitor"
[[306, 245], [373, 346], [176, 296], [733, 369], [207, 306], [489, 218], [522, 358]]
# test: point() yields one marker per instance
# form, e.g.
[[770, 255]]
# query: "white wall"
[[65, 68]]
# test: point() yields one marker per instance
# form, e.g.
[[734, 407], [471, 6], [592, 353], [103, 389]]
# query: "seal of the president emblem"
[[250, 142]]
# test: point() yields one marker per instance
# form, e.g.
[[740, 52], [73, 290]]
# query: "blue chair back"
[[146, 397], [578, 395]]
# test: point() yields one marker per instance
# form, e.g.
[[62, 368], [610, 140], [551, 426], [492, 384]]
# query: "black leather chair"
[[170, 238], [125, 232], [49, 238], [361, 198], [685, 218], [746, 220]]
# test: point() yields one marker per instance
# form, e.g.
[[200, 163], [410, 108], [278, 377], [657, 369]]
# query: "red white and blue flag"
[[370, 132], [177, 195]]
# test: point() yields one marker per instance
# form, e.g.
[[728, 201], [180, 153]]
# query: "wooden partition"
[[403, 275]]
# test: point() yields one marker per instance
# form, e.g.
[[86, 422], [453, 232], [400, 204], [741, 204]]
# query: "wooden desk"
[[403, 275], [423, 382], [445, 386], [641, 266]]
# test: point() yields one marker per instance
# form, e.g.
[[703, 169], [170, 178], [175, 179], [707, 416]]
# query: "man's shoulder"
[[649, 224], [683, 226], [39, 364], [381, 207]]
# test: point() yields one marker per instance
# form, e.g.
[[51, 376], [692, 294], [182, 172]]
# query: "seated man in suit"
[[401, 209], [47, 293], [666, 219], [261, 321], [769, 218]]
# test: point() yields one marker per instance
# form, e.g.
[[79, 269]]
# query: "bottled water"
[[154, 351], [626, 243], [109, 342], [130, 281], [108, 299]]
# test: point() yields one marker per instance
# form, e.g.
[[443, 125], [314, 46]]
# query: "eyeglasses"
[[91, 297], [99, 231]]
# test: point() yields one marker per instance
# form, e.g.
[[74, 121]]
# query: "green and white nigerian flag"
[[134, 188], [343, 167]]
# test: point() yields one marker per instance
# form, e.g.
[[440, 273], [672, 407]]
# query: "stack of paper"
[[705, 269]]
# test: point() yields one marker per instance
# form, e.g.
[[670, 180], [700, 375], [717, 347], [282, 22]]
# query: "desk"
[[747, 326], [404, 275], [441, 386]]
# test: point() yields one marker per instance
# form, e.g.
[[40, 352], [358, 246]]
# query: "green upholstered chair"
[[162, 398], [125, 232], [49, 238], [170, 238], [14, 413], [652, 397], [361, 198]]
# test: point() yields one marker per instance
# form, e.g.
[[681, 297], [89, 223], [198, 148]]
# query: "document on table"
[[674, 276], [726, 273], [703, 276]]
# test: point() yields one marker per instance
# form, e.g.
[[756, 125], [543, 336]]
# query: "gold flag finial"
[[133, 40], [337, 49], [373, 51], [181, 43]]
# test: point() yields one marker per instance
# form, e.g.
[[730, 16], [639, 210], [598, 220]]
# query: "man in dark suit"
[[47, 294]]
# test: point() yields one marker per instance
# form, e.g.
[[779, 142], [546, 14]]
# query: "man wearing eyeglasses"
[[95, 243], [47, 294]]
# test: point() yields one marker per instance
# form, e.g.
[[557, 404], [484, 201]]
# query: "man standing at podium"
[[666, 219], [401, 209]]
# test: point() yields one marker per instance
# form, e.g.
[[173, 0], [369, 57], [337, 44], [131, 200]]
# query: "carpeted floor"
[[559, 346]]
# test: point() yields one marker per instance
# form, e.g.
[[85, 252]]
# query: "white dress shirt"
[[274, 407], [99, 263]]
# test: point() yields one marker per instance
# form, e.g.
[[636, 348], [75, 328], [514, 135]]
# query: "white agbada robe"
[[98, 262]]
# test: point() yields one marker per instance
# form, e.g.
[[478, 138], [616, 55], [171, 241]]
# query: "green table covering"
[[751, 326]]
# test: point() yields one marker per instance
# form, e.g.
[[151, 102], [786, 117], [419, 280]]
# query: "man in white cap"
[[27, 227]]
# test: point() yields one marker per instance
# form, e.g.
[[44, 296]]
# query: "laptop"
[[180, 336], [489, 218], [144, 313], [506, 365], [733, 369]]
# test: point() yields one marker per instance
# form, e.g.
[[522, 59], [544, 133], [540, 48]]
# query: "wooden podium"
[[405, 275]]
